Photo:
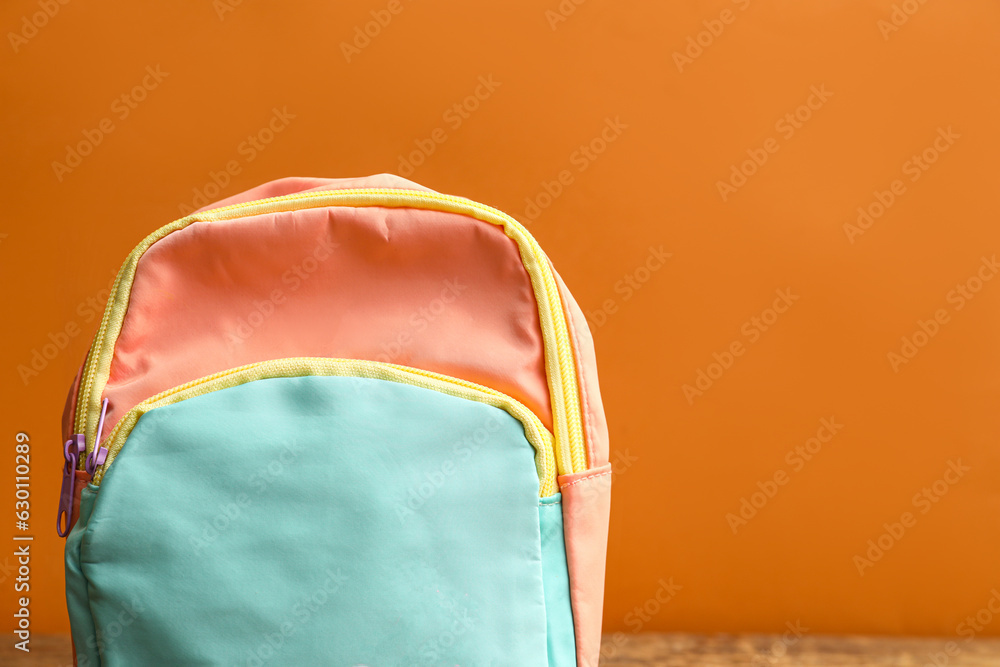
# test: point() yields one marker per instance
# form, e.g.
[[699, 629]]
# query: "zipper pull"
[[72, 450], [99, 454]]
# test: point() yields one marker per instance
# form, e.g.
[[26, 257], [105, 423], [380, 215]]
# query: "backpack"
[[337, 422]]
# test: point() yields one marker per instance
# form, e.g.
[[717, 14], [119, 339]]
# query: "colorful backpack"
[[337, 422]]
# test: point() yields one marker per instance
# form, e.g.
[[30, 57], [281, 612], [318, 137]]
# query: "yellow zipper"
[[536, 433], [570, 451]]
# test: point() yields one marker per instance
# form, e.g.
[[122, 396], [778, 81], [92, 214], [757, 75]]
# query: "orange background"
[[681, 467]]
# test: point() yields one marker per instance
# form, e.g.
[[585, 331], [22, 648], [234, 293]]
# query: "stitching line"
[[583, 479]]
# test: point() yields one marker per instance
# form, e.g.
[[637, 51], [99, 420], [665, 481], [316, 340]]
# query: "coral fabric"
[[586, 514], [421, 288]]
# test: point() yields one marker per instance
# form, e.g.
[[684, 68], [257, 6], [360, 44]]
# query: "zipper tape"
[[560, 366], [536, 433]]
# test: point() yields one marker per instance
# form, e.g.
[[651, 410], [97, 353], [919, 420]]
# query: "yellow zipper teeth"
[[535, 432], [570, 452]]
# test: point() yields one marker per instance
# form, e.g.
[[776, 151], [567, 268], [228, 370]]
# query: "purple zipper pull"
[[72, 450], [99, 454]]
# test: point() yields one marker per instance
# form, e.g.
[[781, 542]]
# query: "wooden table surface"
[[678, 650]]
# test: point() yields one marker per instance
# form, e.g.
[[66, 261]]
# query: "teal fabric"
[[77, 602], [321, 521], [555, 579]]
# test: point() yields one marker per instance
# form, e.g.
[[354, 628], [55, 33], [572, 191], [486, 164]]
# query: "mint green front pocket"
[[318, 521]]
